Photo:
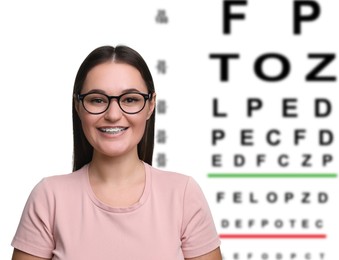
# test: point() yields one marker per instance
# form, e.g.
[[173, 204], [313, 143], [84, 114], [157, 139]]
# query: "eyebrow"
[[131, 90], [124, 91]]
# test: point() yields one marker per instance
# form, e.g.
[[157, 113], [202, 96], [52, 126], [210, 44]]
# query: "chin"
[[116, 152]]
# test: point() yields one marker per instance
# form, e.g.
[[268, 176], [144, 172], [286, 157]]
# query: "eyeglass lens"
[[97, 103]]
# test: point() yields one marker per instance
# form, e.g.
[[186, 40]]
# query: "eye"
[[96, 99], [131, 98]]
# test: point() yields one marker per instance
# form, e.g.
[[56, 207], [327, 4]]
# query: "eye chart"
[[247, 104]]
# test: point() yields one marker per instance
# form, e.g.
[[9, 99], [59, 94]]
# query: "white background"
[[44, 42]]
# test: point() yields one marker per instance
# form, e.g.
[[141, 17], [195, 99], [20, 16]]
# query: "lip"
[[112, 130]]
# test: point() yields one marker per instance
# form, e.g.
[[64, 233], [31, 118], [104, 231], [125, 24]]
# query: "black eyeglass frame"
[[144, 95]]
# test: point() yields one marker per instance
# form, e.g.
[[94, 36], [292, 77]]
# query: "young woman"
[[115, 205]]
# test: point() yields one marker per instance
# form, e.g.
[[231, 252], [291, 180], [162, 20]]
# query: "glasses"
[[98, 103]]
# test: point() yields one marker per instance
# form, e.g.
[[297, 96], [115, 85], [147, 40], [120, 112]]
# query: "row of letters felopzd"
[[272, 197]]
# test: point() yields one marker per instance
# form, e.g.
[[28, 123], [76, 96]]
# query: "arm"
[[214, 255], [34, 238], [19, 255], [200, 240]]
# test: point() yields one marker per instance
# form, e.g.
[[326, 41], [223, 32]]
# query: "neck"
[[115, 170]]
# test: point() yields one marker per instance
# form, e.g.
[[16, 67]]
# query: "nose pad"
[[114, 111]]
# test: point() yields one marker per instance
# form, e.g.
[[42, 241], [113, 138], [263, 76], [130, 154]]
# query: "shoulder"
[[58, 184], [65, 179], [171, 181], [168, 175], [168, 178]]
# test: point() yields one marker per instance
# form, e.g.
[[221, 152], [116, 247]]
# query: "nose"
[[113, 112]]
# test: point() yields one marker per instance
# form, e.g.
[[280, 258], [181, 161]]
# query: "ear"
[[152, 103]]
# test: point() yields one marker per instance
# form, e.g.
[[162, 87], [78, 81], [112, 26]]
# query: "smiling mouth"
[[113, 130]]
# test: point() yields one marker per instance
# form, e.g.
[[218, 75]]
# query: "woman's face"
[[114, 133]]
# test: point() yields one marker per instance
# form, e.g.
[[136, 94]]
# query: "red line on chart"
[[273, 236]]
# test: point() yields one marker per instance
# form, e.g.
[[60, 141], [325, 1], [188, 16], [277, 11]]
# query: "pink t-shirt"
[[63, 220]]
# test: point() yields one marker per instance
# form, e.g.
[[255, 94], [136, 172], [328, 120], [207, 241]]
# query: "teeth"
[[113, 130]]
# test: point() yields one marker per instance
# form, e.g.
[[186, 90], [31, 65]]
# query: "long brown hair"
[[82, 149]]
